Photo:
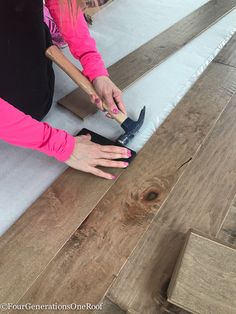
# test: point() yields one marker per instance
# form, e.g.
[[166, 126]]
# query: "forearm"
[[22, 130], [76, 33]]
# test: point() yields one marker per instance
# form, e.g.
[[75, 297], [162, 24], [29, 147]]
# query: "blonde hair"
[[83, 4]]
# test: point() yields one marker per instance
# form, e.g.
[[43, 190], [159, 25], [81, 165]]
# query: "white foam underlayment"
[[118, 29]]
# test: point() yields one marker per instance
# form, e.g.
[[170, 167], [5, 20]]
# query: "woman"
[[27, 83]]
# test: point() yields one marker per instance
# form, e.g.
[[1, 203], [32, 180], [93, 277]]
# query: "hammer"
[[130, 126]]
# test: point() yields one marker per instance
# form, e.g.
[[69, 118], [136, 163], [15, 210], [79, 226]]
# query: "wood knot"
[[151, 196]]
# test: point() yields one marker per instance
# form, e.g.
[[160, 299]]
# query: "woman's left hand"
[[109, 93]]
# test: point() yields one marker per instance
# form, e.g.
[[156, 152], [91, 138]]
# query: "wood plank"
[[227, 232], [200, 200], [205, 276], [98, 249], [229, 55], [136, 64]]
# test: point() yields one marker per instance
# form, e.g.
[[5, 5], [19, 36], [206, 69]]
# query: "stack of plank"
[[91, 240]]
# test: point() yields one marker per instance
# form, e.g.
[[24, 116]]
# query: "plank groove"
[[139, 62], [116, 224]]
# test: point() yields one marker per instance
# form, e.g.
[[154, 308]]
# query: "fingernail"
[[113, 177], [115, 110], [126, 164], [97, 100]]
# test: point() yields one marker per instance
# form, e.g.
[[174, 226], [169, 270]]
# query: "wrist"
[[99, 77], [61, 144], [96, 73], [68, 149]]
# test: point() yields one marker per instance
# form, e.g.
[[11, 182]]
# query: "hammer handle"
[[75, 74]]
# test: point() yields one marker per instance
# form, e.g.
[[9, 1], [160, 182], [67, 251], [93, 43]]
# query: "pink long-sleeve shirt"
[[22, 130]]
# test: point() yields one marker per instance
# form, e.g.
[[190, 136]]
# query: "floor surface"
[[86, 237]]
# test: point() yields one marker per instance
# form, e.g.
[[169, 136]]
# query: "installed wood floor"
[[138, 227], [126, 249]]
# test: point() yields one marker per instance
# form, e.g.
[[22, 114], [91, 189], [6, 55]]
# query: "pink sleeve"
[[76, 33], [20, 129]]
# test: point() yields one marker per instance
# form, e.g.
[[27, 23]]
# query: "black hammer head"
[[131, 128]]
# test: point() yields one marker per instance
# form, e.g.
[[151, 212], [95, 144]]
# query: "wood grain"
[[136, 64], [201, 199], [205, 276], [229, 55], [94, 255]]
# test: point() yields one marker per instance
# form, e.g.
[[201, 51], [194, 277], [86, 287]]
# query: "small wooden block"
[[79, 103], [204, 280]]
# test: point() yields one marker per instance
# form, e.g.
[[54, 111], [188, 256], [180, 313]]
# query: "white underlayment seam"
[[202, 68]]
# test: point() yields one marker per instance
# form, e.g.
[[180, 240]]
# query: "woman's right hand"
[[88, 155]]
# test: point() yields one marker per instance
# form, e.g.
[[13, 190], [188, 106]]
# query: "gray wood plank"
[[139, 62], [95, 254]]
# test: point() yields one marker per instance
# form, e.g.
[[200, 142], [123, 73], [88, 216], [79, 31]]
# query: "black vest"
[[24, 69]]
